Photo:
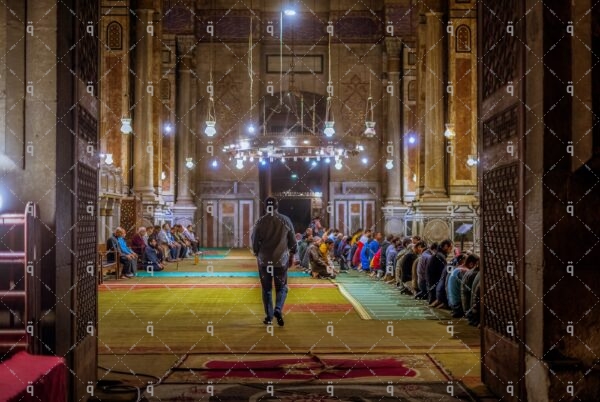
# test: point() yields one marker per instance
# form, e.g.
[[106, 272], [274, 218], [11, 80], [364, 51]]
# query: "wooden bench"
[[103, 263]]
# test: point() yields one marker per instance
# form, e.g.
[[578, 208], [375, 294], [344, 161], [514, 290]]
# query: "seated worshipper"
[[304, 261], [362, 240], [369, 250], [390, 257], [474, 312], [326, 248], [316, 227], [412, 284], [441, 291], [375, 264], [405, 247], [159, 250], [337, 243], [422, 271], [111, 248], [455, 280], [344, 254], [189, 235], [318, 266], [185, 245], [151, 261], [466, 287], [302, 246], [435, 267], [383, 259], [139, 241], [406, 263], [126, 256], [168, 243]]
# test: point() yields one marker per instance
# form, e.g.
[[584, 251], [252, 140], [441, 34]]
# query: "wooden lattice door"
[[84, 296], [501, 113]]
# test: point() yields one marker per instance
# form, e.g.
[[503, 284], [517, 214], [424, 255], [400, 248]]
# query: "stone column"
[[183, 108], [393, 211], [184, 206], [435, 157], [143, 147]]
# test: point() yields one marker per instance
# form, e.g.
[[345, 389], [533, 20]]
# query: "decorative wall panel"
[[500, 240], [87, 193], [500, 49], [500, 127]]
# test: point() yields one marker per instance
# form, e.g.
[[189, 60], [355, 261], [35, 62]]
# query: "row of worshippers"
[[152, 247], [427, 272]]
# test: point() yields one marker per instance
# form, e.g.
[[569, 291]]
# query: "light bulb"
[[126, 126], [472, 161], [411, 139], [449, 133], [289, 12], [365, 160], [370, 129], [210, 128], [389, 164], [109, 159], [251, 129], [327, 160], [239, 164], [314, 163], [214, 164], [329, 130], [163, 175], [189, 163], [168, 128]]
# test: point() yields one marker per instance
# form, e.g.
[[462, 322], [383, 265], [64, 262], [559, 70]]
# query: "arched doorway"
[[297, 118]]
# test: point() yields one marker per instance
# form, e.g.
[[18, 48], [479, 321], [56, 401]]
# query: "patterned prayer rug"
[[318, 369]]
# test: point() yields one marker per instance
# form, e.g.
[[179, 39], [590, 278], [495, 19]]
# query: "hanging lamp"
[[329, 119], [369, 120], [211, 115]]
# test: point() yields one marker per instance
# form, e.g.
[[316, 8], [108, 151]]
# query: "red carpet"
[[126, 284], [301, 368]]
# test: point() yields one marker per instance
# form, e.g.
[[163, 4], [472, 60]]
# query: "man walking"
[[273, 244]]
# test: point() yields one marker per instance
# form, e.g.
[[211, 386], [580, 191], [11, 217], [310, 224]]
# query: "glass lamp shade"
[[126, 125], [210, 128], [370, 129], [189, 163], [389, 164], [449, 133], [329, 130], [239, 164], [338, 165]]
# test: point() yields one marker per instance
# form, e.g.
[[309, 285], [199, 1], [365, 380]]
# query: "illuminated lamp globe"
[[210, 128], [329, 130], [370, 129], [126, 125]]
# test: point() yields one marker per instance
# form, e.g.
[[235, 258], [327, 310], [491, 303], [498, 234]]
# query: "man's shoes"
[[277, 314], [129, 276], [442, 306], [267, 321], [434, 303]]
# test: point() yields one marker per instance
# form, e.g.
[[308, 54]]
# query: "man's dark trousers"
[[268, 274]]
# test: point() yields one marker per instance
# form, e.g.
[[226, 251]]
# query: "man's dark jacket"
[[272, 239]]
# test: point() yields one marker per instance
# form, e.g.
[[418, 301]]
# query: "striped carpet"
[[376, 300], [196, 274]]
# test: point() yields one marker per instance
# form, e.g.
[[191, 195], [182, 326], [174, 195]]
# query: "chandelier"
[[282, 134]]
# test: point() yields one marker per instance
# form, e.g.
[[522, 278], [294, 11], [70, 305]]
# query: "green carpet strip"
[[376, 300]]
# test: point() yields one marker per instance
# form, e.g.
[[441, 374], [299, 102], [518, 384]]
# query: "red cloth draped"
[[33, 378]]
